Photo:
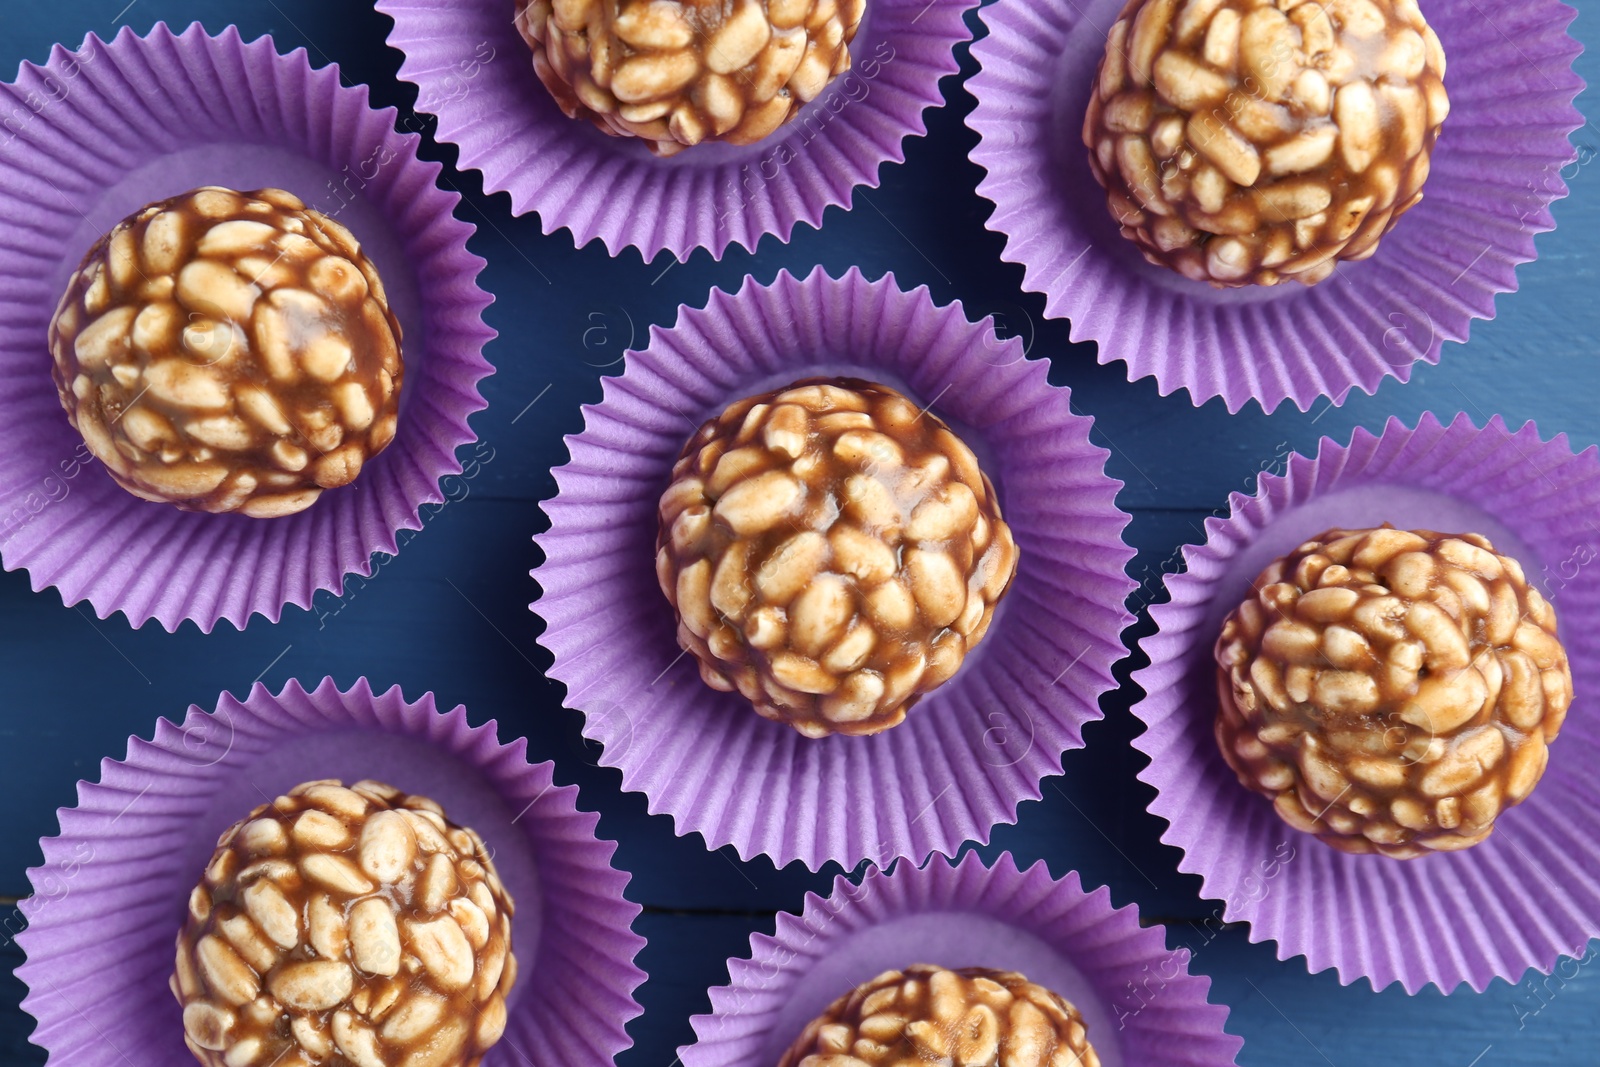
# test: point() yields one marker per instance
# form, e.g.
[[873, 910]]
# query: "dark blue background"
[[450, 613]]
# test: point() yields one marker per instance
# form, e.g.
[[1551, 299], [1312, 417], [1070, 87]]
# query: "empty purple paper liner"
[[1141, 1005], [969, 752], [1516, 901], [113, 890], [1496, 170], [104, 130], [475, 73]]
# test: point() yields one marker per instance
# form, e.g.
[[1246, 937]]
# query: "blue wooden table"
[[450, 614]]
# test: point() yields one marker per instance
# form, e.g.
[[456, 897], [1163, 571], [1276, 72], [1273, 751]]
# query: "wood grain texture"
[[450, 612]]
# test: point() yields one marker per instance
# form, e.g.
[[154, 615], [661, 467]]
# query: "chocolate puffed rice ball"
[[1392, 691], [227, 351], [833, 552], [1246, 142], [348, 928], [929, 1015], [681, 72]]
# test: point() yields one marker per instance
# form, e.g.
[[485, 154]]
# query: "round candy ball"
[[681, 72], [227, 351], [974, 1017], [1392, 691], [833, 552], [344, 927], [1246, 142]]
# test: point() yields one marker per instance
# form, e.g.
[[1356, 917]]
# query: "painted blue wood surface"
[[450, 613]]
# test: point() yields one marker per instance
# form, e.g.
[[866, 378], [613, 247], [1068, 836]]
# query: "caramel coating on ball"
[[1392, 691], [833, 552], [681, 72], [974, 1018], [1247, 142], [227, 351], [348, 927]]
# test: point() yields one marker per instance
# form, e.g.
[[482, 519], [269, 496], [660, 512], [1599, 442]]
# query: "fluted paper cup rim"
[[1169, 1022], [1512, 903], [963, 761], [161, 98], [1492, 183], [577, 178], [103, 887]]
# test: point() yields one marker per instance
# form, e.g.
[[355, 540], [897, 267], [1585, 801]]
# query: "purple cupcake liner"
[[971, 751], [104, 130], [112, 893], [1142, 1006], [1526, 895], [475, 73], [1496, 170]]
